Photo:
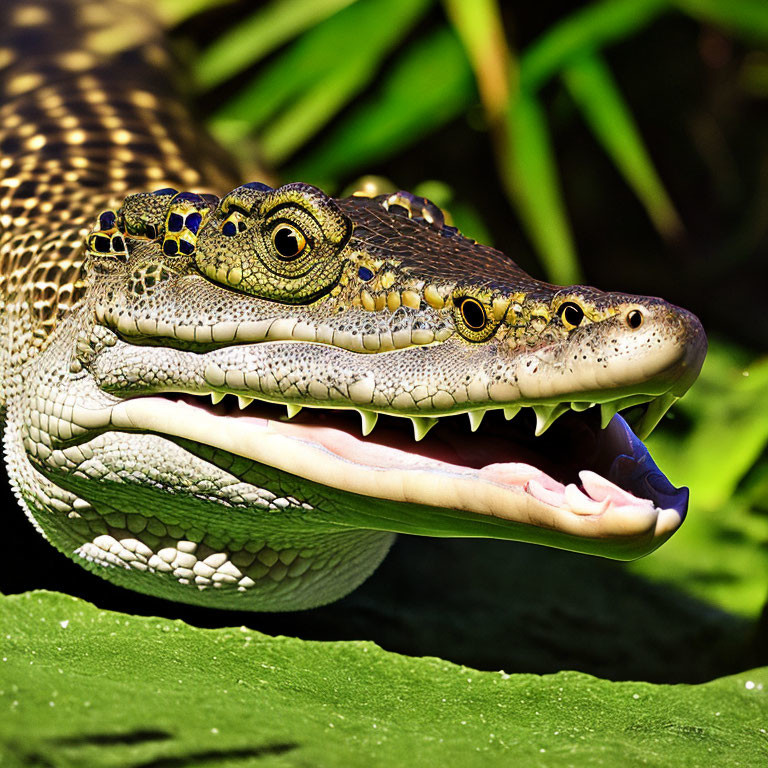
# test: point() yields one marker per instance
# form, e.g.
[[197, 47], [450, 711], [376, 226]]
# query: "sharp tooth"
[[631, 400], [580, 406], [217, 397], [656, 410], [292, 409], [421, 425], [608, 411], [369, 419], [475, 419], [244, 402], [510, 411], [546, 415]]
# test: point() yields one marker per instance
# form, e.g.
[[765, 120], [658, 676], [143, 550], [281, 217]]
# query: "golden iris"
[[473, 314], [289, 241]]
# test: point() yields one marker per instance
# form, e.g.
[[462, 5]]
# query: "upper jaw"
[[425, 383]]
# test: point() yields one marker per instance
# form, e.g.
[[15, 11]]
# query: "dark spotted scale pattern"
[[88, 114]]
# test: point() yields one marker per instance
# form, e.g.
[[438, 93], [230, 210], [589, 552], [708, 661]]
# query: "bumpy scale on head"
[[387, 274]]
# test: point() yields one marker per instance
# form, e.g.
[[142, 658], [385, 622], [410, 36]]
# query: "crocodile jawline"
[[574, 465]]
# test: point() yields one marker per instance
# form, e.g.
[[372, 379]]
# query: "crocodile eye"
[[473, 314], [571, 314], [473, 318], [289, 241], [634, 318]]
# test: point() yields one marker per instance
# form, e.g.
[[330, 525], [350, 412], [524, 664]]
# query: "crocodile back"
[[89, 112]]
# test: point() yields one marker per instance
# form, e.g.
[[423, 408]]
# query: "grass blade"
[[410, 103], [589, 28], [746, 17], [530, 176], [252, 38], [480, 29], [314, 78], [592, 86], [302, 119]]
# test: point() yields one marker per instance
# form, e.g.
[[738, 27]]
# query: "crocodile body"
[[238, 399]]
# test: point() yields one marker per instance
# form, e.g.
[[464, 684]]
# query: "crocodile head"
[[267, 386]]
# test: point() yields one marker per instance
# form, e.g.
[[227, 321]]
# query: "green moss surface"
[[84, 687]]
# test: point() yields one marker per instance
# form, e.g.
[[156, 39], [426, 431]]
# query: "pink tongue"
[[517, 473], [597, 490], [373, 454], [342, 444], [601, 489]]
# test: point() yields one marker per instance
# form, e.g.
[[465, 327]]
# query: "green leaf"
[[83, 686], [309, 113], [719, 555], [729, 406], [745, 17], [481, 31], [411, 102], [320, 73], [253, 38], [530, 176], [592, 86], [589, 28]]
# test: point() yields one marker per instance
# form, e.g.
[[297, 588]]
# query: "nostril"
[[634, 318]]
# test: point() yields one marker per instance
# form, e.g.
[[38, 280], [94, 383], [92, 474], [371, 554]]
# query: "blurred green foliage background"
[[621, 142]]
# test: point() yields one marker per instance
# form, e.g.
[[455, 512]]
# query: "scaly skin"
[[117, 339]]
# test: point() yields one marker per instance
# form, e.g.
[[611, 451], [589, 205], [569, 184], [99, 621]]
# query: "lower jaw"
[[588, 507]]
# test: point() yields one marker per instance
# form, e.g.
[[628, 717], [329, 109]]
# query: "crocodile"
[[239, 398]]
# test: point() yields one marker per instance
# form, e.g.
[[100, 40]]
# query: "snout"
[[647, 346], [667, 342]]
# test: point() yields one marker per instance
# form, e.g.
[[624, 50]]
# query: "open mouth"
[[577, 479]]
